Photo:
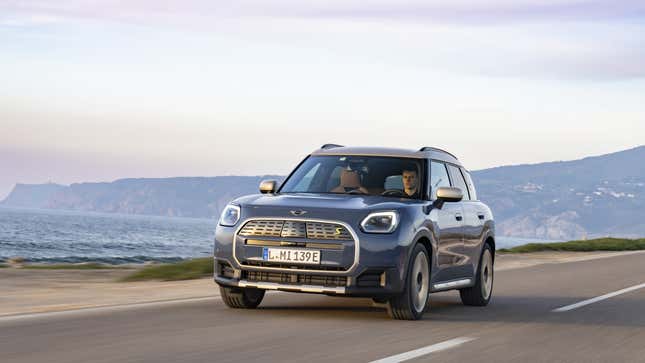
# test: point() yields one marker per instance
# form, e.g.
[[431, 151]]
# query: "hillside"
[[595, 196], [174, 197]]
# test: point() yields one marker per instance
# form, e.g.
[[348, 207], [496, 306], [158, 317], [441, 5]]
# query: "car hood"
[[317, 205]]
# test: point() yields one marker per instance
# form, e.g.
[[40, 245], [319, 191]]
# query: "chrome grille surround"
[[354, 237]]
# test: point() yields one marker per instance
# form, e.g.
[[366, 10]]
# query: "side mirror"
[[448, 194], [268, 186]]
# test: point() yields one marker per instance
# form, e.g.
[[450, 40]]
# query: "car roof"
[[423, 153]]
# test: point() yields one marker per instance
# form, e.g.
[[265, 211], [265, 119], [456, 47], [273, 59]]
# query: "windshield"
[[368, 175]]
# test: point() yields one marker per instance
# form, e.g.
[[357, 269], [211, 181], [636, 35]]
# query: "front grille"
[[317, 230], [286, 265], [296, 229], [270, 228], [295, 278]]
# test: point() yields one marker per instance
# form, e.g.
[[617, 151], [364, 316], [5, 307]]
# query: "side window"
[[458, 180], [334, 178], [393, 182], [438, 177], [471, 186], [304, 184]]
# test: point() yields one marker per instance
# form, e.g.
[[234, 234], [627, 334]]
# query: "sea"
[[54, 236], [72, 236]]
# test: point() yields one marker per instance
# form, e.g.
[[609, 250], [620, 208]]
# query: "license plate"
[[311, 257]]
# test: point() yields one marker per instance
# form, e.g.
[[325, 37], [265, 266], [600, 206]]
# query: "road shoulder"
[[43, 291]]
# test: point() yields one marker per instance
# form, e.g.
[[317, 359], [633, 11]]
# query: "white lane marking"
[[102, 309], [596, 299], [425, 350]]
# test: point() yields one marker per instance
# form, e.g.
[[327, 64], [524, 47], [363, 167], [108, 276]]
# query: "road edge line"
[[99, 308]]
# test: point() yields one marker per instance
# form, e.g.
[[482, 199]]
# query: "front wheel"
[[241, 298], [413, 302], [480, 294]]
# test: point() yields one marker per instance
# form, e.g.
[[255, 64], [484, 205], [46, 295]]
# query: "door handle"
[[458, 216]]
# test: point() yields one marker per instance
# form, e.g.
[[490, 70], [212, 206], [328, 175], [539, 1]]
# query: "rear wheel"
[[480, 294], [413, 302], [241, 298]]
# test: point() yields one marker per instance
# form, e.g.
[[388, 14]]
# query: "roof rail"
[[330, 146], [430, 148]]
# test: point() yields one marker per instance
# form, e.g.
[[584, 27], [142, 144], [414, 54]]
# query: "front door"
[[448, 226], [472, 223]]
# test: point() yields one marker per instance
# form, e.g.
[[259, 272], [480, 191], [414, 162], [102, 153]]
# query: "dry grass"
[[600, 244]]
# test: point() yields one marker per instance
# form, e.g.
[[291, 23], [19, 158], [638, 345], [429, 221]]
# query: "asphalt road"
[[518, 326]]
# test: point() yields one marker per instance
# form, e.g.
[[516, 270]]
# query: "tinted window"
[[458, 180], [471, 186], [353, 174], [438, 177], [305, 182]]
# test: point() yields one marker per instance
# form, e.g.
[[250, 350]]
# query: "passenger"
[[410, 183], [349, 181]]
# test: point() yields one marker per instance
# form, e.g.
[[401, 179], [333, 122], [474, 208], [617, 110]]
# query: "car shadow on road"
[[447, 307], [523, 309]]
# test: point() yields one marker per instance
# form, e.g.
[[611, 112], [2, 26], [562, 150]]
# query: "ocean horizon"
[[61, 236]]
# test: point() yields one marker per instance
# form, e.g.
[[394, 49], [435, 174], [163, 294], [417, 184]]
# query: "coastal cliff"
[[595, 196]]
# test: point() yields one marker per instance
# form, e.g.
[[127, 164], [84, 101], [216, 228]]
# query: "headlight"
[[380, 222], [230, 215]]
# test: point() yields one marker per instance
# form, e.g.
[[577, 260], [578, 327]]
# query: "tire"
[[481, 293], [241, 298], [413, 302]]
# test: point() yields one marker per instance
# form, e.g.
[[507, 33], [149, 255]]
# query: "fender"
[[421, 233], [489, 232]]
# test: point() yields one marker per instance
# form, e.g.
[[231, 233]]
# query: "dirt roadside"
[[25, 291]]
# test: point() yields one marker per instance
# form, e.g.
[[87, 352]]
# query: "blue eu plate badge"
[[265, 253]]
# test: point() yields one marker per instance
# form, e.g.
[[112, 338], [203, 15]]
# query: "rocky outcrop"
[[32, 195], [174, 197]]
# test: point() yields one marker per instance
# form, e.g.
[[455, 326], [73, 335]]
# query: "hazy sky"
[[98, 90]]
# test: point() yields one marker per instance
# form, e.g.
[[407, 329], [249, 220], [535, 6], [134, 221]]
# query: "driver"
[[410, 183]]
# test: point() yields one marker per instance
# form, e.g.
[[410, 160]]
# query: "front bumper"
[[370, 265], [371, 282]]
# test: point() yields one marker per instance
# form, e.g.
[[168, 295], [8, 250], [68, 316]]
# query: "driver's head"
[[410, 179]]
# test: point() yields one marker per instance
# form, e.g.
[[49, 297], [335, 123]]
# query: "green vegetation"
[[71, 266], [2, 265], [600, 244], [185, 270]]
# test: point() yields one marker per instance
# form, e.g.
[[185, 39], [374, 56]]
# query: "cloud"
[[553, 39], [455, 11], [481, 12], [29, 20]]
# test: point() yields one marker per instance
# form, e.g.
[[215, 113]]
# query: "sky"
[[96, 90]]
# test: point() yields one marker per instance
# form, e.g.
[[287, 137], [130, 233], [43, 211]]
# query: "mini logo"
[[297, 212]]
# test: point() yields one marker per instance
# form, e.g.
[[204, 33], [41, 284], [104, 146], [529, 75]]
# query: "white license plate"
[[291, 255]]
